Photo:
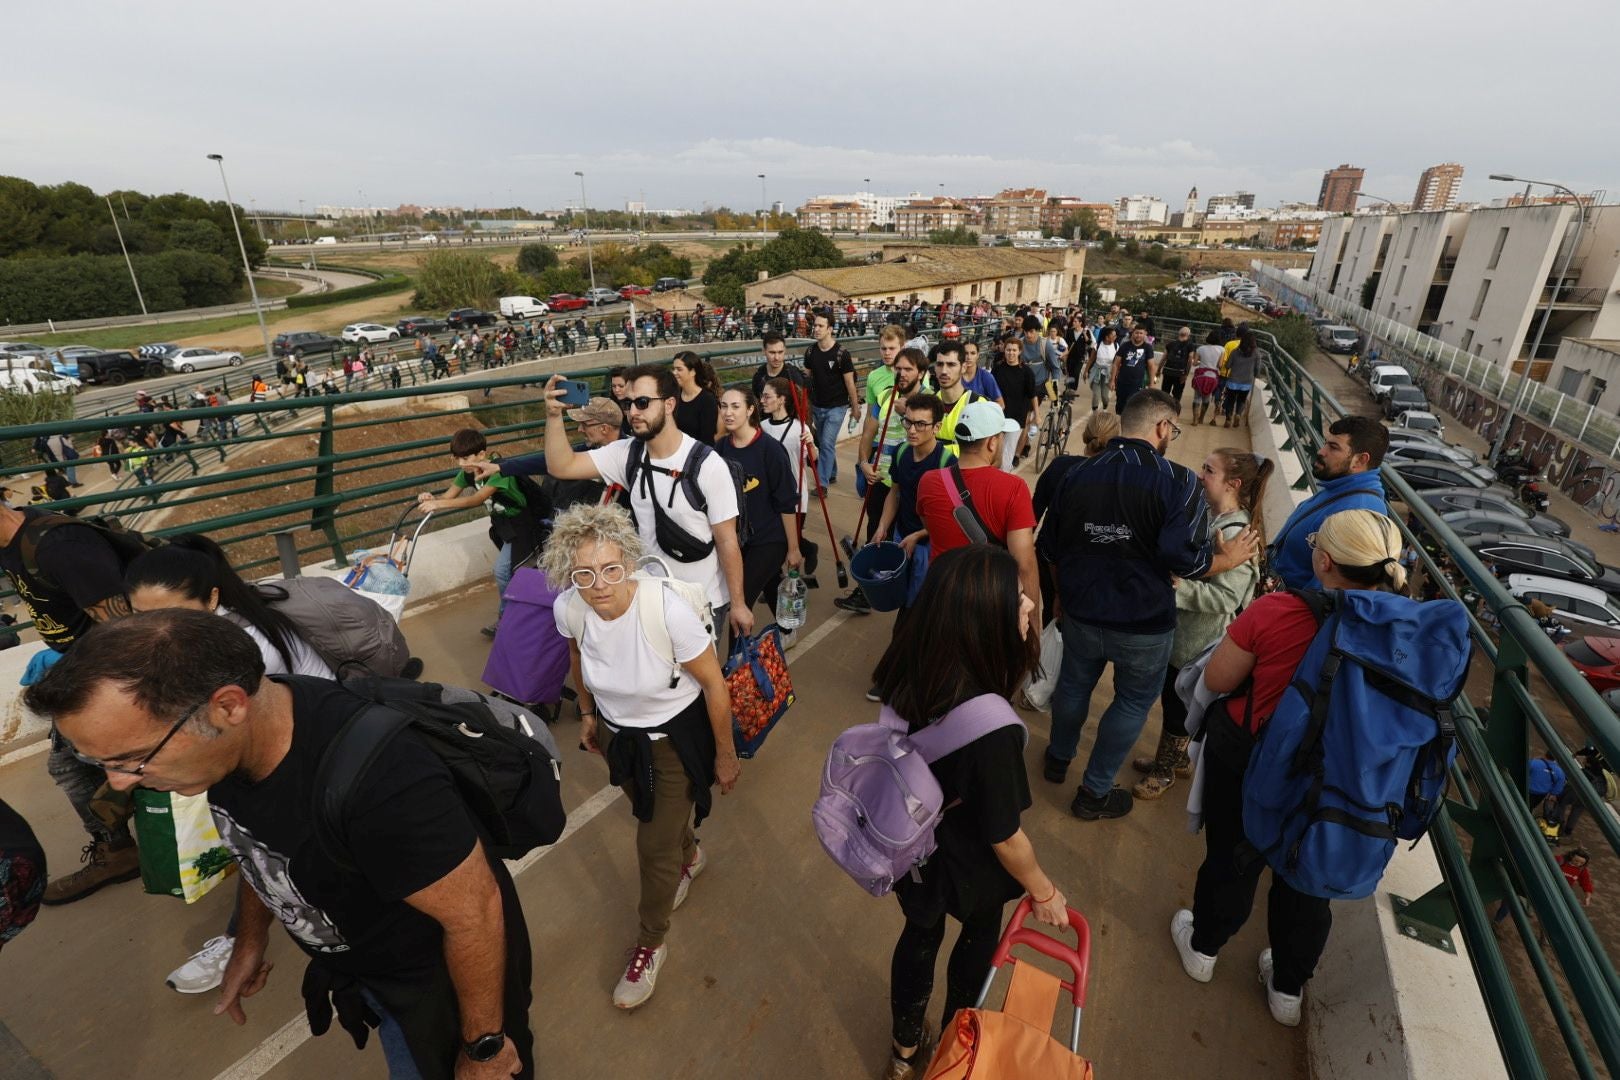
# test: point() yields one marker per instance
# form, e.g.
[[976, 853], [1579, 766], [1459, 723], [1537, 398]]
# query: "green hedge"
[[387, 284], [95, 286]]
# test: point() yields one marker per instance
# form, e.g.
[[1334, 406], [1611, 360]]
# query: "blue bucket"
[[882, 572]]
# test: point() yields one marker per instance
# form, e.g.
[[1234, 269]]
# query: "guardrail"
[[1486, 840]]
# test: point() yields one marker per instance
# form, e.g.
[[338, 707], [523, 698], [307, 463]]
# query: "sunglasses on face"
[[640, 404]]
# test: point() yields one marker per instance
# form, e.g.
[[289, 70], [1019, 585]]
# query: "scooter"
[[1533, 496], [1556, 631]]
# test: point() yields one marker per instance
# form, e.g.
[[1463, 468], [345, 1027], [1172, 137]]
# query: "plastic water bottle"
[[790, 600]]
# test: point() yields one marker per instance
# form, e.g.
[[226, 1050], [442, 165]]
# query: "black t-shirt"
[[905, 473], [1131, 364], [1177, 356], [22, 873], [793, 374], [768, 485], [986, 779], [827, 371], [79, 569], [1017, 383], [700, 417], [407, 828]]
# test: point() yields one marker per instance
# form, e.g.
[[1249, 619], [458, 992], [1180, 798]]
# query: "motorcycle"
[[1533, 496], [1556, 631]]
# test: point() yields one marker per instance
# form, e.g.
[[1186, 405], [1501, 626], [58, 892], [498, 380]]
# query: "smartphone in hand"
[[575, 392]]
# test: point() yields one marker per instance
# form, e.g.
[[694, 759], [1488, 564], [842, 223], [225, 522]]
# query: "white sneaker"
[[1285, 1008], [206, 968], [1196, 964], [636, 985], [688, 872], [790, 638]]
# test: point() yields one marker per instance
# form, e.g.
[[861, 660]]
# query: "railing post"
[[1590, 409], [322, 518]]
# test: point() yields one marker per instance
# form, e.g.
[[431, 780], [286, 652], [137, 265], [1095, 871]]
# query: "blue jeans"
[[503, 575], [401, 1066], [1139, 663], [827, 424]]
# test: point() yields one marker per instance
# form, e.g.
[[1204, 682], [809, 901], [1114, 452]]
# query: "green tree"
[[1295, 335], [197, 234], [1110, 244], [794, 249], [536, 259], [1369, 289], [957, 237], [1172, 305], [449, 279]]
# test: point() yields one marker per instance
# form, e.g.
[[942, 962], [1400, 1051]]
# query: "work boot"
[[856, 602], [1161, 775], [1182, 764], [103, 865]]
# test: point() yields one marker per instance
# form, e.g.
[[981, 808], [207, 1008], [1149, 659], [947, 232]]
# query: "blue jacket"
[[1291, 554], [1119, 526]]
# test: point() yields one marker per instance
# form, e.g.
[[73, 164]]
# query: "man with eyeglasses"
[[1121, 527], [697, 543]]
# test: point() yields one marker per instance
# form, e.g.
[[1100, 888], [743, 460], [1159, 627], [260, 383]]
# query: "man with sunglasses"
[[1122, 525], [666, 452], [421, 935]]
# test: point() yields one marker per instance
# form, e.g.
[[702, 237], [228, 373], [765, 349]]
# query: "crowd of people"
[[169, 670]]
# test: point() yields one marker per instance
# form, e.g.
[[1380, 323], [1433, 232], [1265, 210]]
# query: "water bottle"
[[790, 600]]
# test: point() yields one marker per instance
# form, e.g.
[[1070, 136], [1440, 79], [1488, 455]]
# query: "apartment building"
[[1419, 269], [1437, 187], [1014, 210], [1339, 189], [1286, 232], [1149, 209], [919, 217], [830, 215], [938, 275]]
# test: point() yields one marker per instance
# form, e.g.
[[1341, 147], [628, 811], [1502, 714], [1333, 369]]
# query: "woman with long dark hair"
[[697, 405], [970, 635], [1240, 369]]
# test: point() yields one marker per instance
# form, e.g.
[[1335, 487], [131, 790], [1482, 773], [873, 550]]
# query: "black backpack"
[[675, 541], [504, 761], [125, 542]]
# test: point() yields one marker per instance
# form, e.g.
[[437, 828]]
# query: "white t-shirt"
[[306, 661], [630, 681], [715, 480], [789, 432]]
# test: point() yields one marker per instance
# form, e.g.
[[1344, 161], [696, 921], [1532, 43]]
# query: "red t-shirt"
[[1002, 500], [1277, 628], [1579, 877]]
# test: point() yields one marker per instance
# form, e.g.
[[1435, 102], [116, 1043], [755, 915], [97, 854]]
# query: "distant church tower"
[[1192, 204]]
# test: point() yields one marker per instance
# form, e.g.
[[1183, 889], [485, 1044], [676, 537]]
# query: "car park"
[[567, 302], [36, 380], [463, 317], [413, 325], [628, 291], [1572, 601], [299, 344], [1597, 659], [667, 284], [522, 307], [1426, 475], [1386, 376], [193, 358], [356, 333], [1467, 523], [1401, 398], [114, 367], [600, 295], [1544, 555], [1420, 421]]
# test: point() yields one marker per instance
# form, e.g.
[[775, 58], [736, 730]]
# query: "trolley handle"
[[1077, 959]]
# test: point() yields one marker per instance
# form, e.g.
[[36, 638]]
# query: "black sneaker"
[[1054, 769], [1086, 807], [873, 695], [856, 601]]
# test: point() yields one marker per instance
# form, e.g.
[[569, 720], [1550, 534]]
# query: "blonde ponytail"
[[1366, 547]]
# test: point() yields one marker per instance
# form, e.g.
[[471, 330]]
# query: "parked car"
[[72, 352], [566, 302], [299, 344], [17, 349], [368, 332], [1572, 601], [1336, 337], [1467, 523], [1545, 555], [1596, 658], [1386, 376], [463, 317], [1426, 475], [193, 358], [599, 295], [1446, 454], [114, 368], [155, 354], [666, 284], [522, 307], [628, 291], [36, 380], [1401, 398], [414, 325], [1420, 421], [1494, 500]]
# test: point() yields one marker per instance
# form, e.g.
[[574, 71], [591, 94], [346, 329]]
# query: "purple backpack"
[[529, 660], [880, 803]]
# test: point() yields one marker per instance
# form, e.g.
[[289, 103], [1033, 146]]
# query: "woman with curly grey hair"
[[667, 740]]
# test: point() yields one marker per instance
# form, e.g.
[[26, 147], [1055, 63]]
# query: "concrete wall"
[[1533, 237], [1591, 361], [1328, 249], [1414, 257], [1365, 238]]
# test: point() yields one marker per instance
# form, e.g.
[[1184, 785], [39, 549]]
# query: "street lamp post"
[[765, 206], [314, 263], [253, 290], [1552, 298], [584, 208], [125, 250]]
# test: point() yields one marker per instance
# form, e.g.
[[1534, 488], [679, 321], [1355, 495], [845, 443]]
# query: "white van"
[[1385, 377], [522, 307], [326, 239], [31, 380]]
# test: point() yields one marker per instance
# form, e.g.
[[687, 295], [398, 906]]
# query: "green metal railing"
[[1486, 840]]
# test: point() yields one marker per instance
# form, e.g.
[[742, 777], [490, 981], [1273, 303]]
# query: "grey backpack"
[[350, 631]]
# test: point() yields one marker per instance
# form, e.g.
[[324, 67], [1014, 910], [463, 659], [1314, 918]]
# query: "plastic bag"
[[375, 572], [1039, 691]]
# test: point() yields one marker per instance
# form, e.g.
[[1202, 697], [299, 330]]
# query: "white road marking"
[[25, 752]]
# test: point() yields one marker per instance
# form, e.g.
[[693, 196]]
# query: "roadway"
[[778, 963]]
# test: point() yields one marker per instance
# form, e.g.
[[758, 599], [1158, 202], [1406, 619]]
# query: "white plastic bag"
[[1039, 691]]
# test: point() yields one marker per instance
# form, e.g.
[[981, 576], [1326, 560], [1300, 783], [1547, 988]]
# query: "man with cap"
[[598, 421], [972, 501]]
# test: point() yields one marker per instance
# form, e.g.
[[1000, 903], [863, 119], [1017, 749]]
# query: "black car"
[[1445, 500], [115, 368], [301, 343], [665, 284], [1424, 475], [1470, 523], [412, 325], [1402, 398], [1544, 555], [463, 317]]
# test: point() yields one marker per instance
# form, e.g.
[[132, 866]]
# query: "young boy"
[[519, 515]]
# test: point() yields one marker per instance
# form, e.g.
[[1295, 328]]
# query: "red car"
[[1597, 658], [627, 291], [566, 302]]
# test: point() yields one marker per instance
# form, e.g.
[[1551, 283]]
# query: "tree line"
[[449, 279]]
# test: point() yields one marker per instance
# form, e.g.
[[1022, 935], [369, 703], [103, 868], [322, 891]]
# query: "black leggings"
[[1170, 703], [1235, 400], [911, 972]]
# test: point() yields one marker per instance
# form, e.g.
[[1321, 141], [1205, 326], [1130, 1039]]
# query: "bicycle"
[[1053, 437]]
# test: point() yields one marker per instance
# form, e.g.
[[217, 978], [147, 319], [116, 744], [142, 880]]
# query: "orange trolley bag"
[[1015, 1042]]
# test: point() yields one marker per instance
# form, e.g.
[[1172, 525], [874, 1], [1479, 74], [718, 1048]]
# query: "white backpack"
[[650, 611]]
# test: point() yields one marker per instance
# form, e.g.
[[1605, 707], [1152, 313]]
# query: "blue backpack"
[[1355, 756]]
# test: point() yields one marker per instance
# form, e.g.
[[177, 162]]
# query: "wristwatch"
[[485, 1047]]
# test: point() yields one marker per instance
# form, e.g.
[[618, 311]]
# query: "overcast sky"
[[412, 101]]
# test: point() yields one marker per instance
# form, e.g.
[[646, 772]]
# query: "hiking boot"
[[206, 968], [1194, 963], [1285, 1008], [913, 1067], [103, 865], [1162, 771], [1053, 768], [688, 872], [1087, 807], [636, 984], [856, 602], [1182, 764], [488, 631]]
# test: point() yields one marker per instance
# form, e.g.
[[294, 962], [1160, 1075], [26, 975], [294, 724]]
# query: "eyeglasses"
[[611, 574], [639, 404], [139, 769], [918, 425], [1175, 429], [1310, 540]]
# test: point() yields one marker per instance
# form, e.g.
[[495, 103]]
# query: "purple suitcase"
[[529, 660]]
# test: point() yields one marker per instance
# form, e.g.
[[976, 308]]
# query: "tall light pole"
[[253, 290], [125, 250], [765, 207], [365, 212], [313, 262], [584, 208], [1558, 283]]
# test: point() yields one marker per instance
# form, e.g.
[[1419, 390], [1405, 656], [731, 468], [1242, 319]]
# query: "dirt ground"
[[384, 309]]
